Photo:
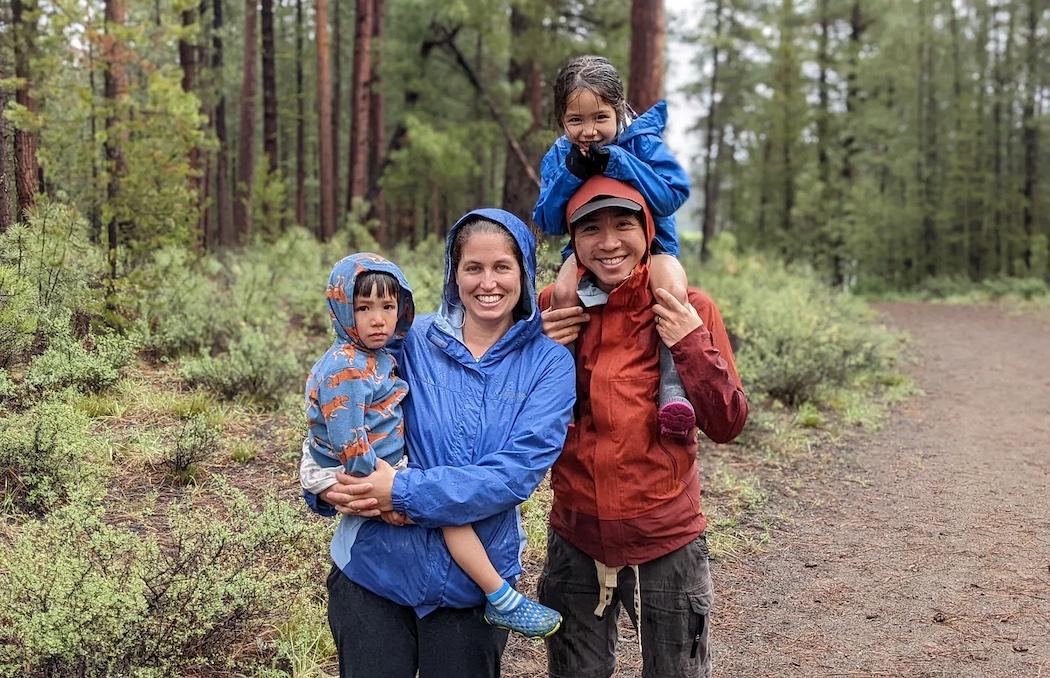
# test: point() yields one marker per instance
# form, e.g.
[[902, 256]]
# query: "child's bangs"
[[377, 284]]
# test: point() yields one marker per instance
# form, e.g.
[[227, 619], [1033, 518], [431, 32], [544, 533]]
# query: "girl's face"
[[588, 119], [489, 279]]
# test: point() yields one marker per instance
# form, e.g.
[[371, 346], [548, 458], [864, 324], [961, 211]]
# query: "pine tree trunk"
[[27, 169], [115, 90], [337, 90], [849, 141], [5, 184], [519, 193], [324, 99], [376, 133], [648, 41], [357, 185], [226, 232], [710, 146], [1030, 135], [188, 62], [269, 86], [300, 124], [242, 214]]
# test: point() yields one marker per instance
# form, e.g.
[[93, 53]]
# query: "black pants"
[[377, 638], [676, 595]]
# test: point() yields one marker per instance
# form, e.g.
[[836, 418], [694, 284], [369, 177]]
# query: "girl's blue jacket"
[[637, 156], [481, 434]]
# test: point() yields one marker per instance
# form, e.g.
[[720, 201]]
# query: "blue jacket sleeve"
[[653, 171], [557, 184], [499, 479]]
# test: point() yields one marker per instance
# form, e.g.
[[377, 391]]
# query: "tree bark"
[[5, 185], [648, 42], [337, 90], [246, 132], [376, 135], [710, 145], [849, 141], [223, 217], [269, 86], [519, 193], [115, 90], [27, 169], [300, 125], [188, 61], [1030, 134], [324, 99], [360, 96]]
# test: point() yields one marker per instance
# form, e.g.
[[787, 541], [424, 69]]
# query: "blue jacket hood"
[[340, 295], [450, 315], [653, 121]]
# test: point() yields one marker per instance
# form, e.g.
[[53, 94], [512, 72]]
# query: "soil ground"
[[924, 550]]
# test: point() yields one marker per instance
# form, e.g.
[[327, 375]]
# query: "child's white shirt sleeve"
[[313, 477]]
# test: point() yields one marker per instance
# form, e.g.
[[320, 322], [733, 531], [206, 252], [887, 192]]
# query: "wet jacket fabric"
[[481, 435], [623, 494], [353, 393], [639, 157]]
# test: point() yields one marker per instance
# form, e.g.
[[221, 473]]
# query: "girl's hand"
[[674, 320], [395, 518], [563, 324]]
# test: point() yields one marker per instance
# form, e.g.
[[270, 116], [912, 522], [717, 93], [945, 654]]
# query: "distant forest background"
[[886, 142]]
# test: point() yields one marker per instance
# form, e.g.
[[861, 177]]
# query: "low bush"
[[40, 455], [794, 336], [67, 362], [258, 368], [195, 441], [81, 597]]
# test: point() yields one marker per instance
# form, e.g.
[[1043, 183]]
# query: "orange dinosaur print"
[[337, 292], [385, 407], [374, 438], [369, 372], [349, 352], [399, 430], [355, 448], [337, 403]]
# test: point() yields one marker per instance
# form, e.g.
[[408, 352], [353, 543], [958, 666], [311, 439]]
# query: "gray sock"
[[671, 389]]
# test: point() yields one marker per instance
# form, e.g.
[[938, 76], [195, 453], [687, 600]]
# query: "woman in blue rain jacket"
[[489, 403]]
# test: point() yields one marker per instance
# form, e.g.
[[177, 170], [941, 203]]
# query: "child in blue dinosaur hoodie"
[[603, 136], [353, 408]]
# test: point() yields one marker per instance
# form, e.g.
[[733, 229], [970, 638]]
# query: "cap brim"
[[601, 203]]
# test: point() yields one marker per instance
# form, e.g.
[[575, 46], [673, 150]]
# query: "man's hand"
[[395, 518], [674, 320], [563, 324]]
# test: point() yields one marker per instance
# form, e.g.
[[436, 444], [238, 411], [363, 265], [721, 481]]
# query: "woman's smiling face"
[[489, 279]]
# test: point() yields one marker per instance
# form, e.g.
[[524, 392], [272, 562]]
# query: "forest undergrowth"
[[150, 433]]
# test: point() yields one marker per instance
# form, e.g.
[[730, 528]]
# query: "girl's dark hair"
[[384, 285], [478, 225], [596, 75]]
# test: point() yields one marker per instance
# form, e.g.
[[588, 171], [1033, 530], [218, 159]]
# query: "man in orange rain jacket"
[[626, 500]]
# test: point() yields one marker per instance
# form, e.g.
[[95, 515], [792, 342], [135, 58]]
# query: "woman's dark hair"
[[596, 75], [478, 225], [384, 285]]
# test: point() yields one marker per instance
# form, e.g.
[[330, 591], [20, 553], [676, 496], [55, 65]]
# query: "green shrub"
[[58, 273], [68, 363], [195, 441], [40, 455], [794, 335], [258, 367], [109, 601], [8, 388]]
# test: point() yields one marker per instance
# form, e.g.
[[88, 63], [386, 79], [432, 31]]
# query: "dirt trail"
[[930, 554]]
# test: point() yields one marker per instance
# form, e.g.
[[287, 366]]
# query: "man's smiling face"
[[610, 242]]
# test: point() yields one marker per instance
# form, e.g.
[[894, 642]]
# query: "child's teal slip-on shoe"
[[530, 619]]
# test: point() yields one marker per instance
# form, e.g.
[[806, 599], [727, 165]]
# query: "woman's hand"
[[371, 495], [563, 324], [674, 320]]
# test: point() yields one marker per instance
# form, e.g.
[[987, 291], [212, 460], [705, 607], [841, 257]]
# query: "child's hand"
[[394, 518], [674, 320]]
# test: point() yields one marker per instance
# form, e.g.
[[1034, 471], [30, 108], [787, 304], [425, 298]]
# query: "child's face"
[[375, 317], [588, 119]]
